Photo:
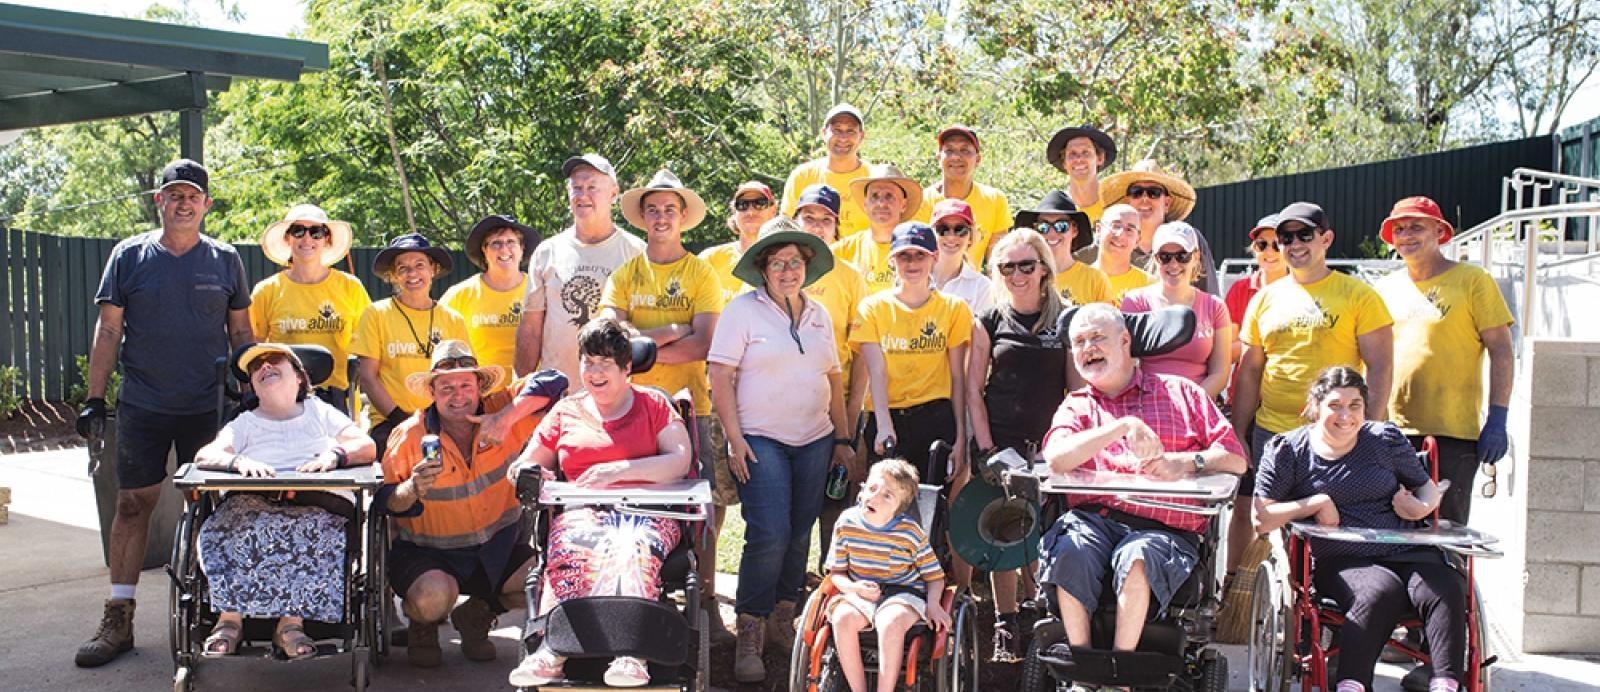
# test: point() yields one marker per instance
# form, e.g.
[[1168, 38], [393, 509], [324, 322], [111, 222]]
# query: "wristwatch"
[[843, 442], [1199, 463]]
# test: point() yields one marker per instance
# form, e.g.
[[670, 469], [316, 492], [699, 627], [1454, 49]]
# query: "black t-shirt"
[[1027, 377]]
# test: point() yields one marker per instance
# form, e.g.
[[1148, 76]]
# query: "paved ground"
[[53, 580]]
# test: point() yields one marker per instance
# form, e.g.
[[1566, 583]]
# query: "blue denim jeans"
[[779, 505]]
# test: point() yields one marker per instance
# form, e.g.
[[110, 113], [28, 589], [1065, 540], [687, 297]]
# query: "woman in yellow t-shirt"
[[309, 302], [396, 336], [752, 206], [914, 341], [491, 300]]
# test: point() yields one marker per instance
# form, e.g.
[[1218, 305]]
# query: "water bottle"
[[838, 482], [431, 451]]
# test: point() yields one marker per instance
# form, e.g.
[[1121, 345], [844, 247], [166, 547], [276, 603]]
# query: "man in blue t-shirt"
[[172, 301]]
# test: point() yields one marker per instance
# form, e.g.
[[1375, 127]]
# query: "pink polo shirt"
[[782, 385]]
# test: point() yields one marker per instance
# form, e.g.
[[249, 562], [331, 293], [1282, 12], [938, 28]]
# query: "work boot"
[[1007, 643], [114, 636], [720, 636], [780, 627], [422, 645], [472, 621], [747, 665]]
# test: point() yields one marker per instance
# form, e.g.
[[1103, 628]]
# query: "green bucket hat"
[[782, 230]]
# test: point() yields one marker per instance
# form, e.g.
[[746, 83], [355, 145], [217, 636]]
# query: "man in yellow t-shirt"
[[1447, 315], [889, 198], [843, 131], [958, 159], [752, 206], [1067, 230], [491, 301], [1119, 237], [1293, 330], [1082, 152]]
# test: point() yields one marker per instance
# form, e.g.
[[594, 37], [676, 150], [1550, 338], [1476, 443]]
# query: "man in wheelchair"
[[1127, 421], [456, 525]]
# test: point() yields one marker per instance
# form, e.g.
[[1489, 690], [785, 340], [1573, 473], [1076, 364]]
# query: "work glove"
[[92, 419], [1492, 440]]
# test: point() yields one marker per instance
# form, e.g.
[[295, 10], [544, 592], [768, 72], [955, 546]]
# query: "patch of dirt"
[[38, 426]]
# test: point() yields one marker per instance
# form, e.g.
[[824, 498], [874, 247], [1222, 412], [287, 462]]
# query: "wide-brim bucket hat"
[[1114, 189], [783, 231], [411, 242], [494, 222], [1058, 202], [490, 377], [887, 173], [1058, 144], [275, 240], [694, 208]]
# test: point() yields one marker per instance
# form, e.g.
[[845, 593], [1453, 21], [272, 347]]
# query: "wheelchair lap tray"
[[367, 477], [608, 626], [1447, 536], [655, 499], [1208, 489]]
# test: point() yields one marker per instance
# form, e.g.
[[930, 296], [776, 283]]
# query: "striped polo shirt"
[[897, 553]]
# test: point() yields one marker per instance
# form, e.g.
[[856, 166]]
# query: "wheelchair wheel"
[[702, 671], [361, 673], [183, 604], [1485, 659], [1035, 677], [800, 655], [958, 669], [1213, 672], [1268, 658]]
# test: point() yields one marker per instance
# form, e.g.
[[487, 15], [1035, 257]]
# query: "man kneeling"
[[1129, 421], [456, 521]]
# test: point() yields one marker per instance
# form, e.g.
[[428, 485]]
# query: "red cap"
[[753, 186], [1415, 208], [947, 208], [958, 130]]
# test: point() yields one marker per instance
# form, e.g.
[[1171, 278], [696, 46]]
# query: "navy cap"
[[913, 234], [1304, 212], [819, 195], [186, 172]]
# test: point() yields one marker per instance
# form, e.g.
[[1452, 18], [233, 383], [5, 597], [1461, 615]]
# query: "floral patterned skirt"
[[599, 552], [270, 560]]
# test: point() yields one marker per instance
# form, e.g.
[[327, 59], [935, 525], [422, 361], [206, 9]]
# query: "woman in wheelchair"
[[266, 558], [884, 569], [615, 433], [1342, 470]]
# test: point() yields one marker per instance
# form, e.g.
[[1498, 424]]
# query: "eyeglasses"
[[1262, 245], [1179, 257], [961, 231], [456, 363], [276, 358], [317, 232], [1152, 191], [791, 264], [504, 243], [1304, 235], [748, 204], [1493, 484], [1025, 266], [1045, 227]]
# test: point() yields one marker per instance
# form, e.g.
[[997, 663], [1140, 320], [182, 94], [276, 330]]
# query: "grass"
[[730, 545]]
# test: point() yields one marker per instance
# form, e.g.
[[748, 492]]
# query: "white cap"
[[1176, 233]]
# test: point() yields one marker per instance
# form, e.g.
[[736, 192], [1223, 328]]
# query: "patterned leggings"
[[599, 552]]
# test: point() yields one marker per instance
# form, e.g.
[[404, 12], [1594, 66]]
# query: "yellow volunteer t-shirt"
[[871, 258], [1438, 348], [840, 292], [989, 208], [722, 259], [402, 342], [1095, 211], [492, 318], [915, 343], [1303, 330], [852, 216], [323, 314], [1082, 284], [1126, 281], [656, 295]]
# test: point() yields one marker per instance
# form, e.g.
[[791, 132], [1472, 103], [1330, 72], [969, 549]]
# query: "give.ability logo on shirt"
[[411, 349], [326, 321], [929, 340], [510, 318], [671, 298]]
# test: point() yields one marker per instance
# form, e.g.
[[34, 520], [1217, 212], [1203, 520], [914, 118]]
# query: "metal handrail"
[[1519, 219]]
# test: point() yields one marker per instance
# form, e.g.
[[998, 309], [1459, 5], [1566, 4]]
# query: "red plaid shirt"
[[1175, 408]]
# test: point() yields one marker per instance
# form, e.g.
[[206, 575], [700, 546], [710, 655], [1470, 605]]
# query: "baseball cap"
[[1176, 233], [844, 109], [1267, 223], [913, 235], [947, 208], [820, 195], [958, 130], [591, 160], [186, 172], [753, 186], [1304, 212]]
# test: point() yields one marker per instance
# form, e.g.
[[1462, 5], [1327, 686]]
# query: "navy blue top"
[[1362, 483], [174, 320]]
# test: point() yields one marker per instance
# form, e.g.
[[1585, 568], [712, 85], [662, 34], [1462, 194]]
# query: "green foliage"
[[79, 391], [10, 390]]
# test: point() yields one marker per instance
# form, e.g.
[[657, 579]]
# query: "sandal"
[[226, 633], [541, 667], [294, 648]]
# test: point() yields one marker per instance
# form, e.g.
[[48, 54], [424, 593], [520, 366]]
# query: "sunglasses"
[[790, 264], [1025, 266], [1493, 484], [1153, 191], [961, 231], [1304, 235], [1045, 227], [748, 204], [456, 363], [317, 232], [1179, 257], [260, 361], [1262, 245]]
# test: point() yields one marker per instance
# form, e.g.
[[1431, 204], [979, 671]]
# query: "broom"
[[1233, 623]]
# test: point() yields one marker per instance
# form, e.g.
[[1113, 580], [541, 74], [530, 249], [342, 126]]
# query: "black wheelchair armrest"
[[530, 480]]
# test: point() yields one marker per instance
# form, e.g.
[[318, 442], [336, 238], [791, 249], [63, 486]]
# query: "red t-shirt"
[[1238, 300], [580, 439]]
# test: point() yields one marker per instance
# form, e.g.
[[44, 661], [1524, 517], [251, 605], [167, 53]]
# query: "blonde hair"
[[902, 475], [1050, 303]]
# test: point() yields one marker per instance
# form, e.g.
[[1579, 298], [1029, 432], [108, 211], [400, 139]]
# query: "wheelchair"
[[358, 633], [673, 638], [1293, 634]]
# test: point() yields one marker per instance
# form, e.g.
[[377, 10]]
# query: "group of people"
[[857, 316]]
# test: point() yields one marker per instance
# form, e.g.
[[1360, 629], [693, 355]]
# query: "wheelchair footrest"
[[1131, 668], [609, 626]]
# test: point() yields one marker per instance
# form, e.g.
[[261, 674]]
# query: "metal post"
[[192, 134], [1530, 262]]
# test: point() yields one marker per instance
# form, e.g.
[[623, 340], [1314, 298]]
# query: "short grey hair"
[[1114, 212], [1097, 314]]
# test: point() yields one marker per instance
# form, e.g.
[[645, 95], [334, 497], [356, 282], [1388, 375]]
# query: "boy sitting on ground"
[[885, 570]]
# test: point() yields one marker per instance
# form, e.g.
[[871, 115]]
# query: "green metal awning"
[[63, 67]]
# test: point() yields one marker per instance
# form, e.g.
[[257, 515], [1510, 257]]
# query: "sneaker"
[[472, 621], [627, 671], [747, 664], [114, 637], [780, 627], [1007, 643], [422, 645], [541, 667]]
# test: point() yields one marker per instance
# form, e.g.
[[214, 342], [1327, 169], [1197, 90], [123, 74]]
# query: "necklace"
[[423, 345]]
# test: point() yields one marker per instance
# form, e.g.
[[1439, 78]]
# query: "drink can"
[[431, 450], [838, 482]]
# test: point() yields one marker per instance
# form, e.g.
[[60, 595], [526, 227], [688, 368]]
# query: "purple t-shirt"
[[1189, 361]]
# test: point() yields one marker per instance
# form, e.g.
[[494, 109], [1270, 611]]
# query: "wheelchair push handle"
[[530, 482]]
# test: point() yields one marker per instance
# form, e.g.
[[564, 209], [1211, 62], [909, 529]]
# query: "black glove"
[[92, 419]]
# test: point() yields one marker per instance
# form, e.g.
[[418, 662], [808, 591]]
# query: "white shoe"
[[627, 671], [540, 668]]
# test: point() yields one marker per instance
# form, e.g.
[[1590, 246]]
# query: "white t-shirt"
[[566, 278], [783, 389], [974, 289], [286, 444]]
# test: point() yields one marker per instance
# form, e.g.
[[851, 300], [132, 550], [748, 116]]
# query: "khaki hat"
[[694, 208], [490, 377], [275, 240], [886, 172], [1114, 189]]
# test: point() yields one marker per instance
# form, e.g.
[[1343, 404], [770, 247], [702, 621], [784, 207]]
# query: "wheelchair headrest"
[[925, 506], [1153, 333], [317, 360], [644, 354]]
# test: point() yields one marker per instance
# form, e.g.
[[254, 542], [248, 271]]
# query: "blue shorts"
[[1077, 550], [145, 437]]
